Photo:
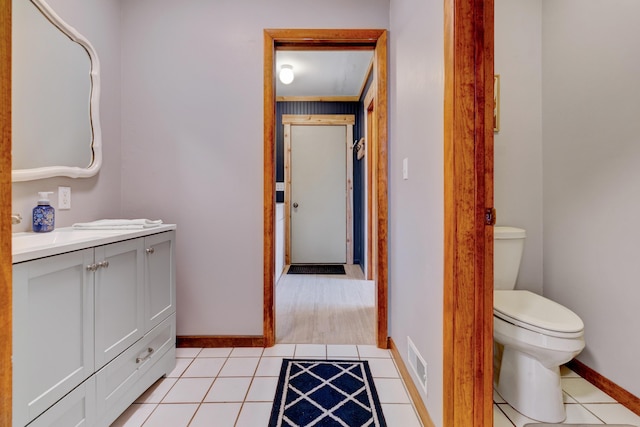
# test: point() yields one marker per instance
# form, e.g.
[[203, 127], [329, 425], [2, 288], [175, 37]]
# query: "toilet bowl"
[[538, 336]]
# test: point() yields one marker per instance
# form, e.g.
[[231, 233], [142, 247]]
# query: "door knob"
[[295, 205]]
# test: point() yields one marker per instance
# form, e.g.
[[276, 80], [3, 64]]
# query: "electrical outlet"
[[64, 198]]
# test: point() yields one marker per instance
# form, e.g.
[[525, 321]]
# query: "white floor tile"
[[282, 350], [181, 366], [497, 398], [335, 351], [157, 391], [240, 367], [263, 389], [171, 416], [134, 416], [223, 414], [189, 352], [585, 392], [317, 351], [516, 417], [613, 413], [246, 352], [215, 352], [391, 390], [269, 367], [400, 415], [204, 367], [577, 414], [254, 414], [383, 368], [371, 351], [188, 390], [499, 418], [228, 389]]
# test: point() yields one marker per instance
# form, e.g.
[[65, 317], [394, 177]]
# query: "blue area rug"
[[326, 393]]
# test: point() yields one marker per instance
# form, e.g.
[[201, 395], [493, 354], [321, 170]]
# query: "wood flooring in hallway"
[[325, 309]]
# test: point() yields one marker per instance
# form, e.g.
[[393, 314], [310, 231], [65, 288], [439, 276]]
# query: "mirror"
[[55, 96]]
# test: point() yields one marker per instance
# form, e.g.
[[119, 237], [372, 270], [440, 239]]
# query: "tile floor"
[[234, 387], [584, 403]]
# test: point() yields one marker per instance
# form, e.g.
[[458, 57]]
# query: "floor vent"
[[418, 365]]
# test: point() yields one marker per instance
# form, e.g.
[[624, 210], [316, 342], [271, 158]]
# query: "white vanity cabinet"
[[93, 329], [53, 318]]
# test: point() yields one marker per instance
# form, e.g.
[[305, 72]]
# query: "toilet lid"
[[537, 313]]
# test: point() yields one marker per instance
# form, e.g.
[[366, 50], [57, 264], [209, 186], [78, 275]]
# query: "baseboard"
[[216, 341], [612, 389], [421, 409]]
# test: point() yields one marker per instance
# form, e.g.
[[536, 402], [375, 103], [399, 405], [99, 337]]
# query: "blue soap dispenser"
[[44, 215]]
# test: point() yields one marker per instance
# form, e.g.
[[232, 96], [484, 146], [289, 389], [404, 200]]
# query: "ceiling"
[[324, 73]]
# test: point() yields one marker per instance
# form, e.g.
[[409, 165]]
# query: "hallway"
[[326, 309]]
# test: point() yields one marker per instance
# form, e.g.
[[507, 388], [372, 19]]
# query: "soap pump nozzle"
[[44, 197]]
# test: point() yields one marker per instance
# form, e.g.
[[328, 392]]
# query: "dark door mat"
[[316, 269]]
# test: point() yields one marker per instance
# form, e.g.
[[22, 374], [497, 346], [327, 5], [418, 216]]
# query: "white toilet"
[[538, 336]]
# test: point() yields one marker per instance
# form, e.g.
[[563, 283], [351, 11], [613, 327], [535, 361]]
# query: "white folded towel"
[[118, 224]]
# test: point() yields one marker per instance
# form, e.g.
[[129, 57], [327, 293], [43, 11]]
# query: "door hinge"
[[490, 216]]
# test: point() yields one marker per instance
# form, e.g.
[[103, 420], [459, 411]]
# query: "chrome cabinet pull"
[[148, 355], [150, 250], [103, 264], [92, 267]]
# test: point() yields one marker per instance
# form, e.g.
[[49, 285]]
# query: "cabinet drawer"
[[75, 409], [118, 377]]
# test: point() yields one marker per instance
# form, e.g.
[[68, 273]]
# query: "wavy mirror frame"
[[94, 116]]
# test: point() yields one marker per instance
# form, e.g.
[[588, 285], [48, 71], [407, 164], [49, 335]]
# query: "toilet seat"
[[536, 313]]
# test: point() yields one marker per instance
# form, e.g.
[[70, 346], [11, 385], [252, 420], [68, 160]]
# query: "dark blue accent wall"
[[316, 107]]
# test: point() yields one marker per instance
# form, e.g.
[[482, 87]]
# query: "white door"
[[318, 194]]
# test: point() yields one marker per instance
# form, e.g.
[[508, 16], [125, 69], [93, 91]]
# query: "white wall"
[[192, 108], [591, 134], [518, 145], [97, 197], [416, 205]]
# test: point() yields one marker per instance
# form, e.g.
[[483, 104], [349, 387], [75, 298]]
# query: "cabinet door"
[[160, 278], [119, 303], [53, 322], [77, 409]]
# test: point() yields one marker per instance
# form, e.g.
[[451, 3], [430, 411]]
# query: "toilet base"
[[529, 387]]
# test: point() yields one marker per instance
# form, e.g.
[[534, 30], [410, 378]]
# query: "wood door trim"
[[347, 120], [323, 39], [468, 167], [319, 119]]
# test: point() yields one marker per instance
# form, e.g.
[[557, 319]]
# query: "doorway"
[[375, 40]]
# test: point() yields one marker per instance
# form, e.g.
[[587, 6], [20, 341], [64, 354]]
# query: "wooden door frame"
[[375, 40], [468, 192], [347, 120], [6, 306], [371, 149]]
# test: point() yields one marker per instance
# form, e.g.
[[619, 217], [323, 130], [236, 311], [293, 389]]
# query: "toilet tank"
[[508, 243]]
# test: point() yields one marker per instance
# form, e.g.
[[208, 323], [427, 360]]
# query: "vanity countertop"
[[28, 245]]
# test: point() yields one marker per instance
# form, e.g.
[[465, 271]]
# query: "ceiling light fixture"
[[286, 74]]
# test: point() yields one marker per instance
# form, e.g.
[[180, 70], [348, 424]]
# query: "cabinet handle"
[[104, 264], [142, 359], [150, 250], [92, 267]]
